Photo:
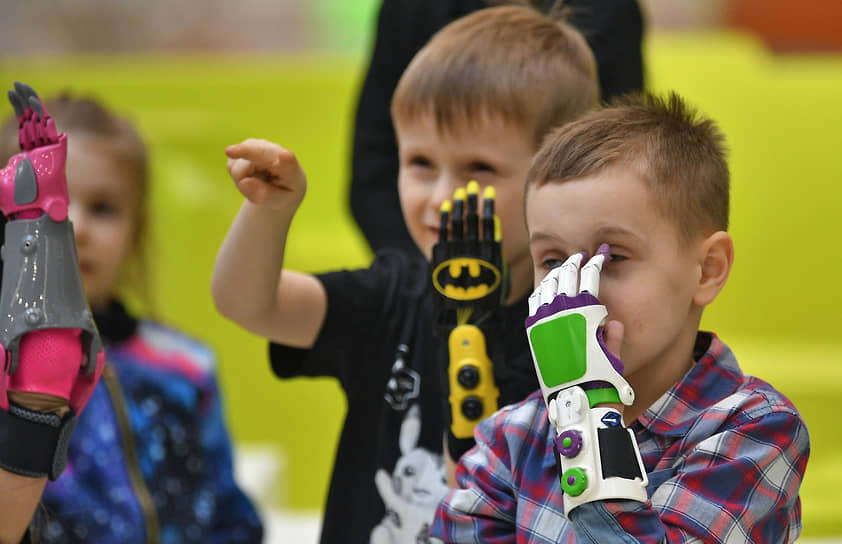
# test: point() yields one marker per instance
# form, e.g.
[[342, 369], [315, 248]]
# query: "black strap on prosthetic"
[[617, 454], [34, 444]]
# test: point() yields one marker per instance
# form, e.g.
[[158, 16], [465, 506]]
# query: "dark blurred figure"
[[613, 28]]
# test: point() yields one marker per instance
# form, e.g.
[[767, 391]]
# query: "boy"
[[475, 103], [723, 453]]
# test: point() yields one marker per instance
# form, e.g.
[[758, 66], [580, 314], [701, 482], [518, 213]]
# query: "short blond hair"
[[510, 61], [677, 152]]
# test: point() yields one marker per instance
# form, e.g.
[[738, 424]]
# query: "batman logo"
[[465, 278]]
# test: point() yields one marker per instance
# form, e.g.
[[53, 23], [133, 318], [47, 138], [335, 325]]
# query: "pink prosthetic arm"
[[50, 344]]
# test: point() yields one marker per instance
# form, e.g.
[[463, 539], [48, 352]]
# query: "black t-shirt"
[[389, 474]]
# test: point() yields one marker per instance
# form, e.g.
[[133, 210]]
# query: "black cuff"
[[34, 444], [457, 447]]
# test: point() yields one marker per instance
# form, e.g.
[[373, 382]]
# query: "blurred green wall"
[[779, 310]]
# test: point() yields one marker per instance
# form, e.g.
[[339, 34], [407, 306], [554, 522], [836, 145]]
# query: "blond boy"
[[644, 184], [475, 103]]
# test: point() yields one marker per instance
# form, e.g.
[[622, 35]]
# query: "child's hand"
[[469, 277], [266, 173], [576, 354], [570, 341], [48, 339]]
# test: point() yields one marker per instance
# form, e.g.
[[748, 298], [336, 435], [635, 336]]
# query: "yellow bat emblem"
[[466, 278]]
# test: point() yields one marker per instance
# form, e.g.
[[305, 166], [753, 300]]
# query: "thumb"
[[613, 336]]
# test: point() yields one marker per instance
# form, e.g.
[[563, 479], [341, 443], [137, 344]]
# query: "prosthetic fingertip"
[[605, 251], [36, 105], [459, 194], [447, 206], [17, 104], [473, 187], [575, 260], [25, 90], [534, 301], [489, 193], [498, 230]]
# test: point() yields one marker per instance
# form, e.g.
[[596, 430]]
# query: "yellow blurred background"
[[781, 113]]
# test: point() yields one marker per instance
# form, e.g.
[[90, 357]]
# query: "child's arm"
[[52, 351], [249, 284], [19, 496]]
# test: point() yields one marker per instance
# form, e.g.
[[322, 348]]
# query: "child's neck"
[[658, 376]]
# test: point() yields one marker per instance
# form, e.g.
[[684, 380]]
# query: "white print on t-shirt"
[[411, 494]]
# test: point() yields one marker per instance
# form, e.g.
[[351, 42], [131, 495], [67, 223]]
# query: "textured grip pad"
[[50, 361]]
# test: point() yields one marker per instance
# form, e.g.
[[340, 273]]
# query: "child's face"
[[103, 209], [650, 282], [434, 163]]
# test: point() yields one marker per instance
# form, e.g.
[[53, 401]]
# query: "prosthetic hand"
[[471, 282], [50, 345], [598, 457]]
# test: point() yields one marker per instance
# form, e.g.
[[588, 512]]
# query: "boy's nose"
[[445, 185]]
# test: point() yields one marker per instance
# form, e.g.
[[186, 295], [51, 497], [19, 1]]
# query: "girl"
[[150, 458]]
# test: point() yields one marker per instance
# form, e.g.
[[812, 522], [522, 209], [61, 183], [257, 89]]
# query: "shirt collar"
[[114, 323], [715, 375]]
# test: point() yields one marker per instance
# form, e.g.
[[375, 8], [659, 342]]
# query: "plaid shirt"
[[725, 454]]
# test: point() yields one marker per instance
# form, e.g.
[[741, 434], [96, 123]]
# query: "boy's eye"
[[103, 209], [482, 167], [421, 162], [615, 258], [549, 264]]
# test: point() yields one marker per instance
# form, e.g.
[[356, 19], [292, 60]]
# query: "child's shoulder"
[[401, 262], [393, 274], [166, 348], [721, 398], [758, 398]]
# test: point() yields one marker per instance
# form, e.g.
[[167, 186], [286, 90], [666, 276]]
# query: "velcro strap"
[[617, 453], [34, 444]]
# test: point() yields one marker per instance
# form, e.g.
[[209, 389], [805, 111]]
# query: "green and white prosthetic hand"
[[597, 455]]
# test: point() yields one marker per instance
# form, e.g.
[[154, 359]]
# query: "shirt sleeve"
[[484, 506], [738, 485], [362, 307]]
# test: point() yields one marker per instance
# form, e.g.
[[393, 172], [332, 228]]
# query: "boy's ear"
[[716, 259]]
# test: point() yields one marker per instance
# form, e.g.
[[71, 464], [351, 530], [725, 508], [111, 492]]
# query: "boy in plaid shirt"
[[724, 453]]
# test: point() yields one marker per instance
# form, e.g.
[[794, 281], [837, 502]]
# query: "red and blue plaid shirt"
[[725, 454]]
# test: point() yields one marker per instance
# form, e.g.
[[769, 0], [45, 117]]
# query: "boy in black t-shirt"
[[474, 104]]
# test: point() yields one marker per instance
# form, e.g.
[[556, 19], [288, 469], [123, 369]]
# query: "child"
[[724, 453], [150, 455], [475, 103], [614, 31]]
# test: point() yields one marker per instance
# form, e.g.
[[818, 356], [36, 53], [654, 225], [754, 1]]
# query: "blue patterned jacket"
[[150, 459]]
